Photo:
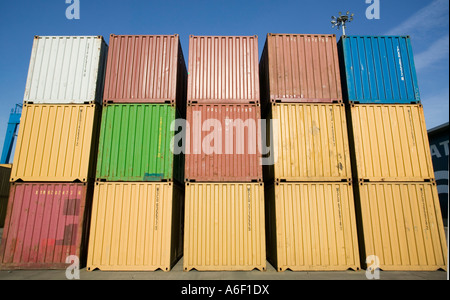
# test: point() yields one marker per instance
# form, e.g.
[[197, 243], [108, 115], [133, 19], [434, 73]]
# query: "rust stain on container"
[[146, 68], [311, 226], [390, 142], [402, 225], [312, 143], [224, 227], [223, 69], [5, 174], [57, 143], [136, 226], [45, 223], [300, 68], [223, 143]]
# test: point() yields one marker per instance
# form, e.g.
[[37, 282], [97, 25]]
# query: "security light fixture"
[[341, 21]]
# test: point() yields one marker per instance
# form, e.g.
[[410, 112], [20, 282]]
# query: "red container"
[[223, 143], [223, 69], [145, 69], [300, 68], [45, 223]]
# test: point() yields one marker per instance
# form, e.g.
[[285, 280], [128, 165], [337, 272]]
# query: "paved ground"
[[177, 273]]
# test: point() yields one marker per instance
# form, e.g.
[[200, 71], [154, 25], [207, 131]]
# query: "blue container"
[[378, 69]]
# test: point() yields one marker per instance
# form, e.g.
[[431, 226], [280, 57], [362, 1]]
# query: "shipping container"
[[224, 227], [223, 143], [390, 142], [311, 226], [135, 144], [57, 143], [136, 226], [311, 144], [45, 223], [66, 70], [401, 224], [223, 69], [146, 69], [378, 69], [300, 68], [5, 174]]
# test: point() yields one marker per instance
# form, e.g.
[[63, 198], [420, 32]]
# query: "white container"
[[66, 70]]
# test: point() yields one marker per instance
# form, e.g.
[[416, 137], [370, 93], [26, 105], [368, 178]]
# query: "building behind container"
[[5, 174], [439, 148]]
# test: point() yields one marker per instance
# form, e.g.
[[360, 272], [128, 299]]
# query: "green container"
[[135, 144]]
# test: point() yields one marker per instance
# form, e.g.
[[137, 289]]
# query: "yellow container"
[[312, 143], [136, 226], [56, 143], [402, 225], [5, 173], [390, 143], [311, 226], [224, 227]]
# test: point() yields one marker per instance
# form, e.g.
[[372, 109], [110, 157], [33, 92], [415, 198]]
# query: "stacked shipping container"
[[224, 219], [396, 195], [139, 193], [310, 210], [51, 190]]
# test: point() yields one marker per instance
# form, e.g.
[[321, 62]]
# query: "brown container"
[[145, 68], [300, 68], [45, 223], [223, 69], [235, 155]]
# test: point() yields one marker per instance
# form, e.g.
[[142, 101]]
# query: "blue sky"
[[426, 21]]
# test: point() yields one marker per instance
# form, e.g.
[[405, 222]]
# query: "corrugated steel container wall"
[[146, 68], [135, 144], [223, 69], [239, 161], [224, 227], [312, 143], [300, 68], [136, 226], [390, 142], [402, 225], [311, 226], [378, 69], [5, 174], [57, 143], [66, 69], [45, 223]]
